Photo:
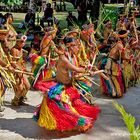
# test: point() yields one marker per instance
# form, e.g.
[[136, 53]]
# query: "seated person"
[[48, 16], [29, 21]]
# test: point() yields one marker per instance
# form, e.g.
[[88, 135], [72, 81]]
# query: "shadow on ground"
[[26, 108], [28, 128]]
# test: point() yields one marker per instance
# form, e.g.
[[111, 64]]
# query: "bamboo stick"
[[91, 80], [80, 92], [19, 71], [88, 74]]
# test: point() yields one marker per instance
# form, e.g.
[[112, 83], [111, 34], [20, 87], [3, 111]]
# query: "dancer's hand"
[[91, 73], [11, 69]]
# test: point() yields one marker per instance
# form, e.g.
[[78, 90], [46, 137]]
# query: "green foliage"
[[12, 2], [129, 121], [112, 14]]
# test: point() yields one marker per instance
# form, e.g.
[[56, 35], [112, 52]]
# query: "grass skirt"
[[41, 70], [63, 110], [115, 86]]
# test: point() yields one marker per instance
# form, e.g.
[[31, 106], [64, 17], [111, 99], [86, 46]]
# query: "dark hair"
[[122, 32], [130, 15], [8, 15], [106, 21], [1, 15], [48, 5], [68, 40]]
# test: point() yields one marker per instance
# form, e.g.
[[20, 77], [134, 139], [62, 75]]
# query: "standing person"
[[115, 86], [16, 58], [48, 16], [4, 83], [82, 12], [131, 25], [30, 19], [12, 34], [121, 24], [82, 56], [44, 62], [61, 108], [6, 77], [107, 30], [88, 39], [95, 10], [71, 20], [13, 51], [131, 67]]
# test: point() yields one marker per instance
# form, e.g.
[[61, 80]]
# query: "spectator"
[[54, 4], [2, 20], [82, 12], [48, 16], [29, 21], [71, 19]]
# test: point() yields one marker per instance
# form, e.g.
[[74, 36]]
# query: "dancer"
[[44, 62], [108, 31], [88, 40], [6, 77], [115, 86], [22, 84], [12, 50], [121, 24], [62, 108], [5, 80]]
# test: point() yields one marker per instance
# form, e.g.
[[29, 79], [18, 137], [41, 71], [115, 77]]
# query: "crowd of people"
[[63, 69]]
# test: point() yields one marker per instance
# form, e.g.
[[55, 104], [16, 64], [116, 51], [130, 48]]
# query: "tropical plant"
[[12, 2], [129, 121]]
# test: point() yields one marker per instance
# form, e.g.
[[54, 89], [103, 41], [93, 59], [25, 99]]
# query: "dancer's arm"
[[71, 66]]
